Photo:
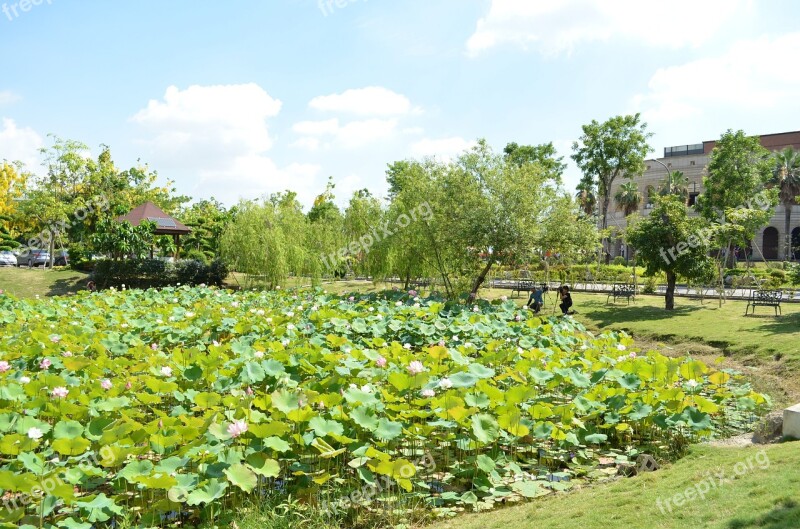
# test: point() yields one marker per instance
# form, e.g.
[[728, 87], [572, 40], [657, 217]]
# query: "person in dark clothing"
[[535, 301], [566, 300]]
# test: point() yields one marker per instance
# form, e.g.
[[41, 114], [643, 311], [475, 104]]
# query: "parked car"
[[33, 257], [7, 258], [62, 258]]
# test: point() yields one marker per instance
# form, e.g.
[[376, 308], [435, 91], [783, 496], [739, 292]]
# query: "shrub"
[[155, 273], [794, 274], [650, 284], [196, 255]]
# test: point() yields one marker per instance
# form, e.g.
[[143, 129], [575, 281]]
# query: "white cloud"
[[557, 27], [369, 101], [21, 144], [443, 148], [7, 97], [215, 140], [351, 135], [751, 77]]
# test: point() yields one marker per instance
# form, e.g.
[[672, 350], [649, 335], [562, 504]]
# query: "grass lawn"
[[764, 496], [762, 338], [31, 282]]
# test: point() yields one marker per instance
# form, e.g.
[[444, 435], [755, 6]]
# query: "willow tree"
[[254, 244]]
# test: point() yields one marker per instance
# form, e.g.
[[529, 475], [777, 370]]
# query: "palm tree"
[[628, 198], [676, 184], [587, 198], [786, 177]]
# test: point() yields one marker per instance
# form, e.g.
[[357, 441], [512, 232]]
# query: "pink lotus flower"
[[632, 355], [60, 392], [66, 354], [441, 343], [4, 366], [380, 362], [351, 299], [412, 293], [517, 317], [154, 346], [249, 391], [503, 298], [237, 428], [55, 338], [128, 385], [106, 384], [428, 393], [166, 371], [416, 367], [407, 346], [45, 364]]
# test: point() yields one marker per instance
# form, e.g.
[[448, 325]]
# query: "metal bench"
[[523, 285], [765, 298], [622, 290]]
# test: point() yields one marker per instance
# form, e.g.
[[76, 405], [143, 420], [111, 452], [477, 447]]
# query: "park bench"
[[764, 298], [523, 285], [621, 290]]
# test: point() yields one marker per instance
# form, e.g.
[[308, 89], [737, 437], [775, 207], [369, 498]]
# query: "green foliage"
[[484, 210], [122, 239], [670, 241], [254, 243], [197, 398], [7, 242], [544, 155], [607, 151], [157, 273], [208, 220], [794, 274]]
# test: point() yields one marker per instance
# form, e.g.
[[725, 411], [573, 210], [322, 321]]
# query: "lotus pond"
[[162, 408]]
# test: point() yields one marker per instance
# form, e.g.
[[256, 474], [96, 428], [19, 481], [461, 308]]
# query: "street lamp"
[[669, 172]]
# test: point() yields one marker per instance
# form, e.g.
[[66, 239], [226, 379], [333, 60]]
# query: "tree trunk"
[[669, 297], [788, 227], [481, 278], [52, 250], [604, 225]]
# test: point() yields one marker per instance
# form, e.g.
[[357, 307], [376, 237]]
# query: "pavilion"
[[165, 225]]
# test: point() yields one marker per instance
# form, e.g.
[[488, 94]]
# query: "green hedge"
[[154, 273]]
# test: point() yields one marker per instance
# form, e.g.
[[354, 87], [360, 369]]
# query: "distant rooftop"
[[773, 142]]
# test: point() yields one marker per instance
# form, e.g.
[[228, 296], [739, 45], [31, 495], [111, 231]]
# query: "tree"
[[325, 235], [485, 210], [7, 242], [361, 217], [676, 183], [587, 198], [607, 151], [628, 198], [121, 239], [786, 178], [12, 186], [738, 173], [254, 244], [669, 241], [544, 154], [207, 219]]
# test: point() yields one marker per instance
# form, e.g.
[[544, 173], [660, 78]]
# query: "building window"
[[693, 198], [691, 163]]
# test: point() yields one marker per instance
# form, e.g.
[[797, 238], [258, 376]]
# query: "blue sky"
[[241, 98]]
